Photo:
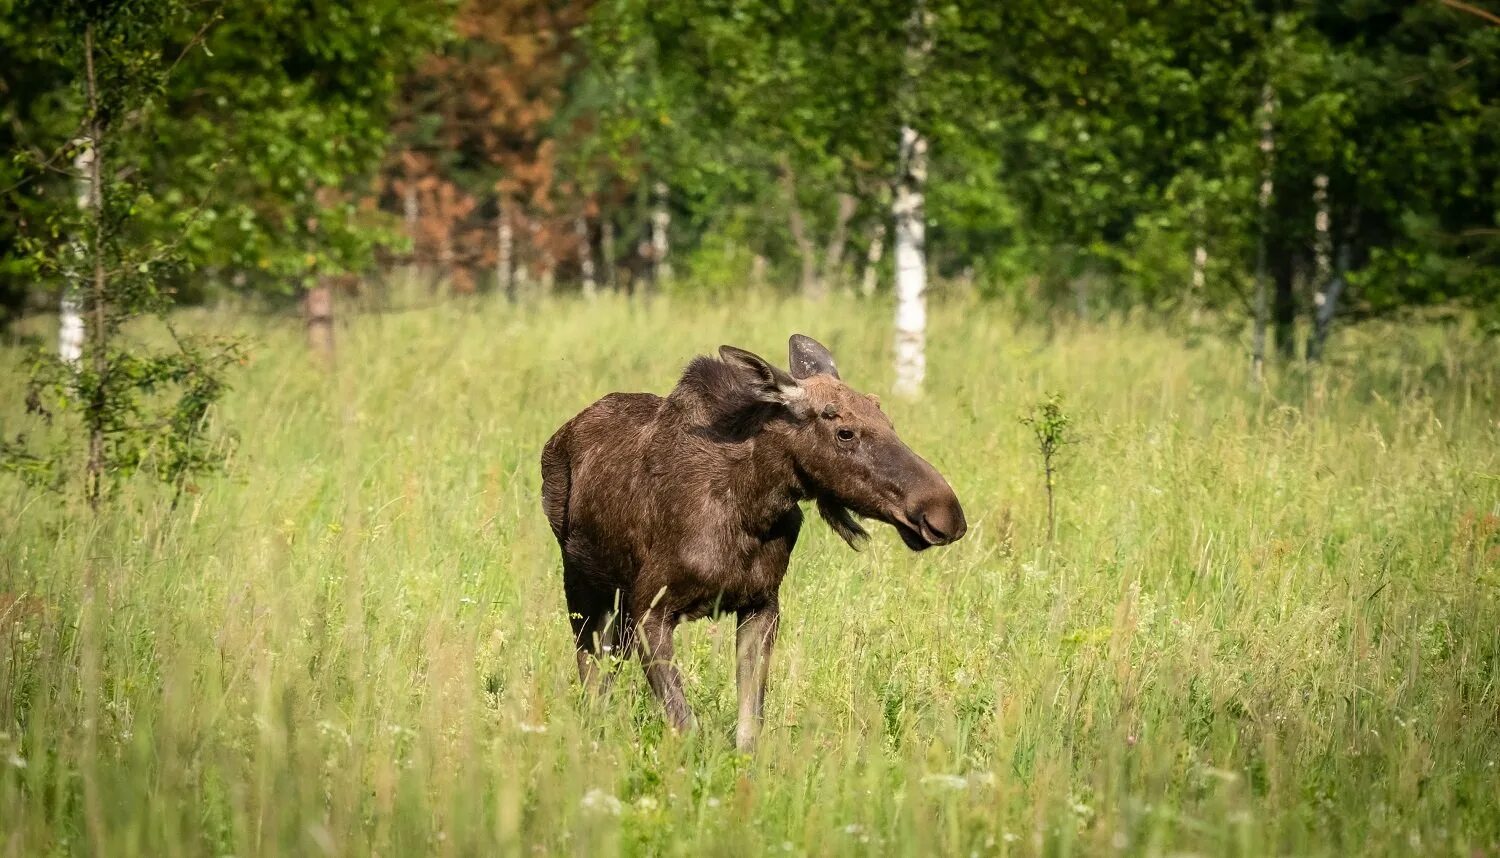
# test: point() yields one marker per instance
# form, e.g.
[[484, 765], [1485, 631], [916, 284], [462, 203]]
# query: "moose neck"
[[752, 446], [764, 479]]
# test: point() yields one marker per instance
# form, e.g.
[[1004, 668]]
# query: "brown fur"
[[669, 509]]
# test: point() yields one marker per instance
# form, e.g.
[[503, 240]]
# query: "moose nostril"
[[934, 527], [943, 523]]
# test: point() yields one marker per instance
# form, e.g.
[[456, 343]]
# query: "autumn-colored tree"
[[475, 166]]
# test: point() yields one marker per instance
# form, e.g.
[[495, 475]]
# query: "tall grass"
[[1269, 623]]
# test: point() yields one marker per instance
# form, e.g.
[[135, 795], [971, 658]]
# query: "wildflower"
[[599, 801], [946, 781]]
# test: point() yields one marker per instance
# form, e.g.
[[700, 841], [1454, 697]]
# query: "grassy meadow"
[[1269, 622]]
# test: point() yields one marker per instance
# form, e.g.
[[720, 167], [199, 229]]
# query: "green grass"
[[1270, 622]]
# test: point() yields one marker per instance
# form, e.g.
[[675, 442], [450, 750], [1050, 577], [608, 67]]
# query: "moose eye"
[[846, 435]]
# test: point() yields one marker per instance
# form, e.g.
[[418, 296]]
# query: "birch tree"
[[70, 308], [585, 257], [1267, 189], [909, 216], [661, 242], [871, 276]]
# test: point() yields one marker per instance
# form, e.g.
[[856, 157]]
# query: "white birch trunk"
[[1198, 283], [661, 247], [546, 264], [585, 257], [872, 261], [70, 331], [504, 251], [1267, 188], [911, 265], [1322, 237]]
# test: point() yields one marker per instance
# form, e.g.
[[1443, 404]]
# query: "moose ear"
[[808, 358], [766, 382]]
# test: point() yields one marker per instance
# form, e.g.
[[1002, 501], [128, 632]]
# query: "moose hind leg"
[[597, 629]]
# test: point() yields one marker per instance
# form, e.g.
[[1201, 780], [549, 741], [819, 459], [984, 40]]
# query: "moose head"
[[846, 450]]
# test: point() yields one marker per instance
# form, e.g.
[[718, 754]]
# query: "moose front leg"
[[655, 635], [757, 635]]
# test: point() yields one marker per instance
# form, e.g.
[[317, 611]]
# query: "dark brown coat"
[[670, 509]]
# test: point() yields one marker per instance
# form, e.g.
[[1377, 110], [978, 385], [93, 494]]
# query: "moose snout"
[[941, 520]]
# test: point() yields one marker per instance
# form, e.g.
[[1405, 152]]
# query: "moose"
[[676, 508]]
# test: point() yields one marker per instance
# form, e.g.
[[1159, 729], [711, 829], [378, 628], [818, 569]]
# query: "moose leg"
[[654, 636], [599, 643], [596, 622], [757, 635]]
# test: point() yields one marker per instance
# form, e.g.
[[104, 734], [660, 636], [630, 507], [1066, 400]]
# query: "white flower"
[[599, 801], [18, 761], [946, 781], [713, 802], [532, 728], [853, 828], [646, 803]]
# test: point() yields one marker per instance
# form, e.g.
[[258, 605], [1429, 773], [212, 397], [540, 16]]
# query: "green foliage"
[[232, 140], [150, 408], [1099, 142], [123, 405]]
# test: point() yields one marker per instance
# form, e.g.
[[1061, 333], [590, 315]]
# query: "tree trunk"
[[1284, 308], [908, 210], [833, 256], [317, 309], [70, 331], [808, 284], [661, 247], [99, 333], [911, 265], [444, 274], [1198, 283], [585, 256], [411, 213], [1322, 238], [410, 207], [607, 251], [504, 251], [1268, 155], [1327, 303], [872, 260]]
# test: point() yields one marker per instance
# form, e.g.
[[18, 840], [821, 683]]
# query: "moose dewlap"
[[670, 509]]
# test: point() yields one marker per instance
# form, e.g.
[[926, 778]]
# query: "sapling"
[[1050, 426]]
